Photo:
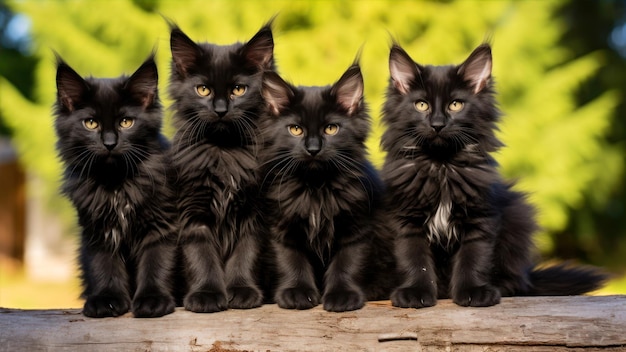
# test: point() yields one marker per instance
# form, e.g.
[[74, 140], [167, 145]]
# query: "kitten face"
[[107, 121], [316, 126], [218, 87], [442, 109]]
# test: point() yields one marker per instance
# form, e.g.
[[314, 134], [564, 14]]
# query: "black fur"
[[323, 196], [116, 178], [215, 155], [462, 231]]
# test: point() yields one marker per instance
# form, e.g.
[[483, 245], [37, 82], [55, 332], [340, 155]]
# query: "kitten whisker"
[[350, 165]]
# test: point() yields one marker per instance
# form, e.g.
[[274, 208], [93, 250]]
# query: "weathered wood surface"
[[589, 323]]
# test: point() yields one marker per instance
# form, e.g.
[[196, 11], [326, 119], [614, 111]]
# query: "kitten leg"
[[296, 288], [204, 272], [240, 270], [471, 271], [415, 263], [106, 282], [157, 260], [342, 293]]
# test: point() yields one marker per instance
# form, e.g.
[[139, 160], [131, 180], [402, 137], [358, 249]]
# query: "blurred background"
[[560, 70]]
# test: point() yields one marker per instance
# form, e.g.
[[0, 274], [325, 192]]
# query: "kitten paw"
[[205, 302], [483, 296], [244, 297], [343, 300], [106, 305], [152, 306], [413, 297], [298, 298]]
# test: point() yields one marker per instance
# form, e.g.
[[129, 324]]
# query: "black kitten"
[[217, 100], [323, 196], [462, 231], [115, 175]]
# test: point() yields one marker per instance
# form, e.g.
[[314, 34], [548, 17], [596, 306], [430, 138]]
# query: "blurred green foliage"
[[556, 146]]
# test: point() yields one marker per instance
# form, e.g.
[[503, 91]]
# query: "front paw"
[[106, 305], [244, 297], [206, 302], [298, 298], [343, 300], [413, 297], [483, 296], [152, 306]]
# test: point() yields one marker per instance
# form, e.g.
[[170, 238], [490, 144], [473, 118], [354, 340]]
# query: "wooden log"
[[589, 323]]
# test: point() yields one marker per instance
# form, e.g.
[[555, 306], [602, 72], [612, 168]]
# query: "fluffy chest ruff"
[[214, 183], [112, 213], [318, 214], [440, 195]]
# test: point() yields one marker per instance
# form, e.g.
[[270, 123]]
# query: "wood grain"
[[589, 323]]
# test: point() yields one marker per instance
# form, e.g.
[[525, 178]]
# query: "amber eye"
[[421, 105], [239, 90], [456, 106], [295, 130], [90, 124], [331, 129], [203, 90], [127, 122]]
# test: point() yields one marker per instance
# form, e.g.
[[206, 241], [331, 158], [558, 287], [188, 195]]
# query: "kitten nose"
[[313, 146], [313, 151], [220, 107], [109, 140], [437, 126]]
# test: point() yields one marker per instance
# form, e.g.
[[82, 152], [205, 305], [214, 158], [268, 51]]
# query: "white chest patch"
[[439, 227], [117, 230]]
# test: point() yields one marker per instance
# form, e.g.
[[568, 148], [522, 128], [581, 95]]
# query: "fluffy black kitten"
[[323, 196], [115, 175], [217, 100], [462, 232]]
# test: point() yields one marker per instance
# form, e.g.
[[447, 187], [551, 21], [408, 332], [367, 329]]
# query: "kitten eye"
[[456, 106], [421, 105], [90, 124], [331, 129], [239, 90], [127, 122], [203, 90], [295, 130]]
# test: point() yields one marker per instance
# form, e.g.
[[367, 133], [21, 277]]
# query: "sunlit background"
[[559, 68]]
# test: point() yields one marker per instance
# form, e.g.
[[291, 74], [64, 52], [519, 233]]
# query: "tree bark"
[[589, 323]]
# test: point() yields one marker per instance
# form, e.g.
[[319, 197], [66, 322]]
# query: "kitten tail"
[[565, 280]]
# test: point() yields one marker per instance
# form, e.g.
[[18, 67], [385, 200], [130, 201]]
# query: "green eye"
[[239, 90], [331, 129], [127, 122], [91, 124], [456, 106], [295, 130], [203, 90], [421, 106]]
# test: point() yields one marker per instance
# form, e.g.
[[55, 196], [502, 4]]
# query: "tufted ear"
[[185, 52], [402, 68], [143, 84], [276, 92], [349, 89], [259, 51], [71, 87], [476, 70]]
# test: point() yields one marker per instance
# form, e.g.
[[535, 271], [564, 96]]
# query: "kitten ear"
[[349, 89], [185, 51], [259, 51], [143, 84], [276, 92], [477, 68], [402, 68], [71, 87]]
